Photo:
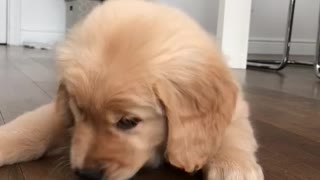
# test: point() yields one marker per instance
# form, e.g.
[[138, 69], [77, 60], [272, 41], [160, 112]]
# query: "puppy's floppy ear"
[[62, 105], [198, 112]]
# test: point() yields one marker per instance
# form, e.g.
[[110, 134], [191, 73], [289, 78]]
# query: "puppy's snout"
[[89, 174]]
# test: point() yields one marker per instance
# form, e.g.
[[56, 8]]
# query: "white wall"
[[268, 26], [268, 21], [42, 21], [204, 11]]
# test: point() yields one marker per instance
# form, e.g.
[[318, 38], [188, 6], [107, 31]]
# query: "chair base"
[[279, 65]]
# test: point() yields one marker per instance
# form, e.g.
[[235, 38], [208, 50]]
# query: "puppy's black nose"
[[89, 174]]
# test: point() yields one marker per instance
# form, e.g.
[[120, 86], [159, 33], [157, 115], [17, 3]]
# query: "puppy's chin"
[[122, 175], [154, 162]]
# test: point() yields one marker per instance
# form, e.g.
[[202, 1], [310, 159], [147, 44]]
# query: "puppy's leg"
[[30, 135], [236, 159]]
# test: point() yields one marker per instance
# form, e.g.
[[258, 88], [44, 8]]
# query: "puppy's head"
[[139, 81], [114, 135]]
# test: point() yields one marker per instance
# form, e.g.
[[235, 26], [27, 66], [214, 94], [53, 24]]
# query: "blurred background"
[[45, 22]]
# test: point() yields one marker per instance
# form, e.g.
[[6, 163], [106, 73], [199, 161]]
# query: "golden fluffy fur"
[[141, 61]]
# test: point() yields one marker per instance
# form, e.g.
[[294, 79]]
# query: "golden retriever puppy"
[[140, 83]]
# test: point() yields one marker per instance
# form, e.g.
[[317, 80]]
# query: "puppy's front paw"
[[186, 162], [234, 171], [4, 157]]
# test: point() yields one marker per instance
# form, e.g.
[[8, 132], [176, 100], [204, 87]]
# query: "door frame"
[[14, 22], [5, 22], [233, 31]]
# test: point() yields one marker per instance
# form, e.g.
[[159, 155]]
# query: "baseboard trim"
[[276, 46], [47, 39]]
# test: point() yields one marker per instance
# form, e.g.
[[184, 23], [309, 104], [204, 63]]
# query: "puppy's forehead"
[[111, 98]]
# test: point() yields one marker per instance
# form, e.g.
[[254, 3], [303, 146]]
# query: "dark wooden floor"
[[285, 113]]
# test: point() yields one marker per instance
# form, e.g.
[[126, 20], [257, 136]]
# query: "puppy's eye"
[[127, 123]]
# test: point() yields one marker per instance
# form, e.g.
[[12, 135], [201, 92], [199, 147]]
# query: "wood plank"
[[34, 70], [47, 60], [295, 80], [18, 92], [12, 172], [296, 114], [50, 88], [285, 155], [49, 168]]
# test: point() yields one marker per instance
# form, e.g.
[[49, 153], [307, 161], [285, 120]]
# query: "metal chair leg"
[[287, 45], [317, 56]]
